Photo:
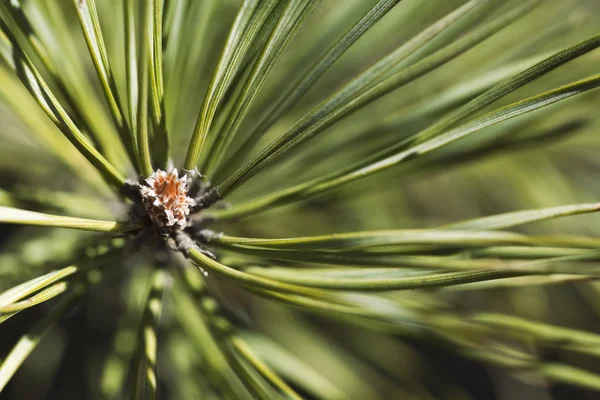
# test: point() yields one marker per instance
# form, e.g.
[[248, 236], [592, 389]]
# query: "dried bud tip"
[[165, 198]]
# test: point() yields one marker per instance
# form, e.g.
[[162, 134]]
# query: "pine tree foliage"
[[316, 199]]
